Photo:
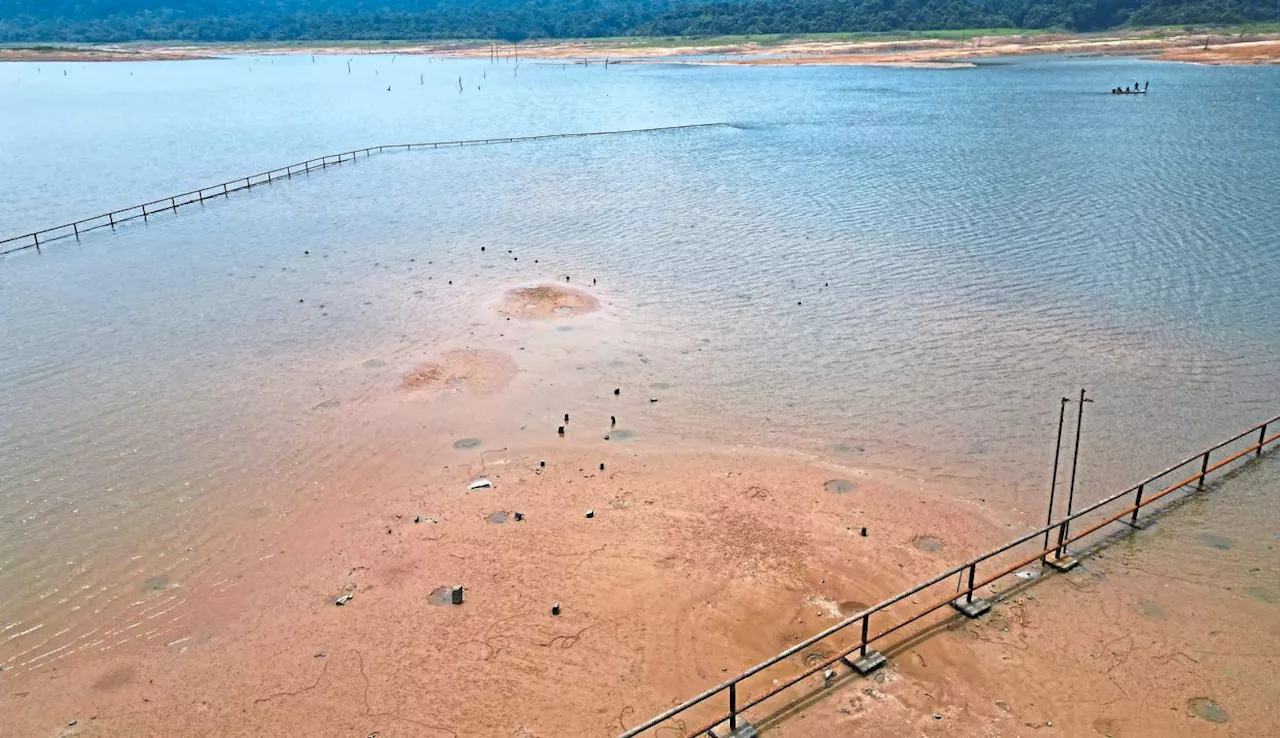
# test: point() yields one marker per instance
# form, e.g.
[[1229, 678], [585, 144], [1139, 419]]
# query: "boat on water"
[[1135, 90]]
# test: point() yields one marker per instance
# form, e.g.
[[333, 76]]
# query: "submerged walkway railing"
[[223, 189], [997, 564]]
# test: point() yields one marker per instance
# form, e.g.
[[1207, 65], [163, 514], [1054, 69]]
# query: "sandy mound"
[[547, 301], [471, 370]]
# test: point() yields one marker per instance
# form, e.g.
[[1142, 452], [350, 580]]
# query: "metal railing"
[[1134, 499], [113, 218]]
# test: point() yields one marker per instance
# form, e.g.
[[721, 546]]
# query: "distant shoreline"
[[946, 49]]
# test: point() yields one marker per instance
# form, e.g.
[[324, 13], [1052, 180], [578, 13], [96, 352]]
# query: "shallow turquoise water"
[[915, 262]]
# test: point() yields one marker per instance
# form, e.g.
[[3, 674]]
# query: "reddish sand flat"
[[692, 566]]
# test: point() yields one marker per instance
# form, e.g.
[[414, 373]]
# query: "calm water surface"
[[914, 262]]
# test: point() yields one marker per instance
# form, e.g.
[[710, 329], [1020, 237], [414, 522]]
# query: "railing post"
[[268, 177], [36, 236], [1204, 469], [866, 624], [76, 227], [144, 214], [173, 201], [1137, 505], [733, 707], [225, 192], [973, 569], [247, 184], [1262, 438], [112, 218]]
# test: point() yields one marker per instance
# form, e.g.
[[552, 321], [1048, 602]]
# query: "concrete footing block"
[[975, 608], [745, 730], [1063, 563], [864, 665]]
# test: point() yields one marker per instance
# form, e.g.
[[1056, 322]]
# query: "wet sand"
[[692, 565], [1170, 632], [674, 565]]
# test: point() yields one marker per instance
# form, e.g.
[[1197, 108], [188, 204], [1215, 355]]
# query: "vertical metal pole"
[[36, 236], [112, 217], [733, 707], [1262, 438], [973, 569], [866, 621], [173, 201], [1204, 469], [1137, 505], [76, 227], [224, 191], [1065, 530], [144, 213], [247, 184], [1053, 482]]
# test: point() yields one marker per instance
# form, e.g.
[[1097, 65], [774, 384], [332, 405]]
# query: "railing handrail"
[[226, 187], [960, 569]]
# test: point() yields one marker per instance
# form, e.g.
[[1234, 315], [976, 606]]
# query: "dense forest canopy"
[[279, 20]]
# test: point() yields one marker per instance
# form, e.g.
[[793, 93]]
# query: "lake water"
[[917, 263]]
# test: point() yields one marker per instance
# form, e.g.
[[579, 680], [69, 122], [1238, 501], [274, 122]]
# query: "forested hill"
[[278, 20]]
